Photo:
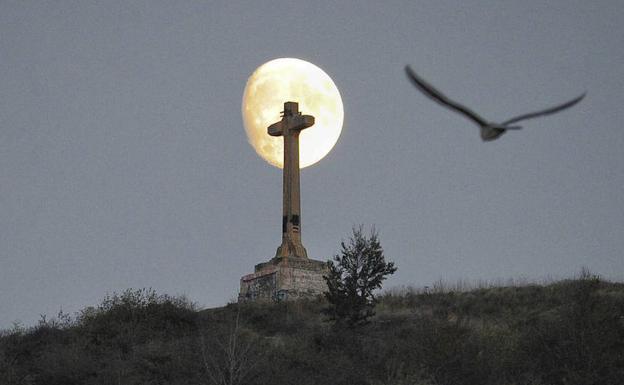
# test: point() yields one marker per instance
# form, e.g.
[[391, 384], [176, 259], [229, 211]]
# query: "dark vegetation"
[[354, 276], [567, 332]]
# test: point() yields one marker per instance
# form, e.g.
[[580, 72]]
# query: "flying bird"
[[489, 130]]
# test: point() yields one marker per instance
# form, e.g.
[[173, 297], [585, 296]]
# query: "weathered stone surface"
[[290, 274], [284, 279], [289, 128]]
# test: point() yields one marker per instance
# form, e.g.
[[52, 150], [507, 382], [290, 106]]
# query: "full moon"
[[292, 80]]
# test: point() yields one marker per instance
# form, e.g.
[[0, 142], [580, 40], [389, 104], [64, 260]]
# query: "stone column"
[[289, 127]]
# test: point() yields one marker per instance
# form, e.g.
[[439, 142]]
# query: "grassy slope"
[[568, 332]]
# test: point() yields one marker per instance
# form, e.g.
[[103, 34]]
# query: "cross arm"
[[290, 123], [292, 120], [299, 122], [276, 129]]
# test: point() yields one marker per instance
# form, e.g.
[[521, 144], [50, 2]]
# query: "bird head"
[[492, 131]]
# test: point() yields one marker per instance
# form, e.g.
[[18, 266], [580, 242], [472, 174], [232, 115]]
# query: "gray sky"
[[124, 162]]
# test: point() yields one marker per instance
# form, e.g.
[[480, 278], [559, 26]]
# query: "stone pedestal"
[[284, 279]]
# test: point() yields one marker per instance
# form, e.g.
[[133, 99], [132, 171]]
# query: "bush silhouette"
[[353, 276]]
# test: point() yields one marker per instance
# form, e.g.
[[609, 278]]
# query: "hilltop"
[[565, 332]]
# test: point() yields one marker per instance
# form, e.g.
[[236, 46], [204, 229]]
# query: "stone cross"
[[289, 127]]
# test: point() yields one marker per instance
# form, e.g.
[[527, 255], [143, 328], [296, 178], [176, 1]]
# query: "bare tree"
[[232, 358]]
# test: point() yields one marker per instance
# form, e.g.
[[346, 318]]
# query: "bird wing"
[[439, 97], [547, 111]]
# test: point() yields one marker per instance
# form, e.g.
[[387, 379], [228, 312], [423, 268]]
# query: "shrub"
[[357, 272]]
